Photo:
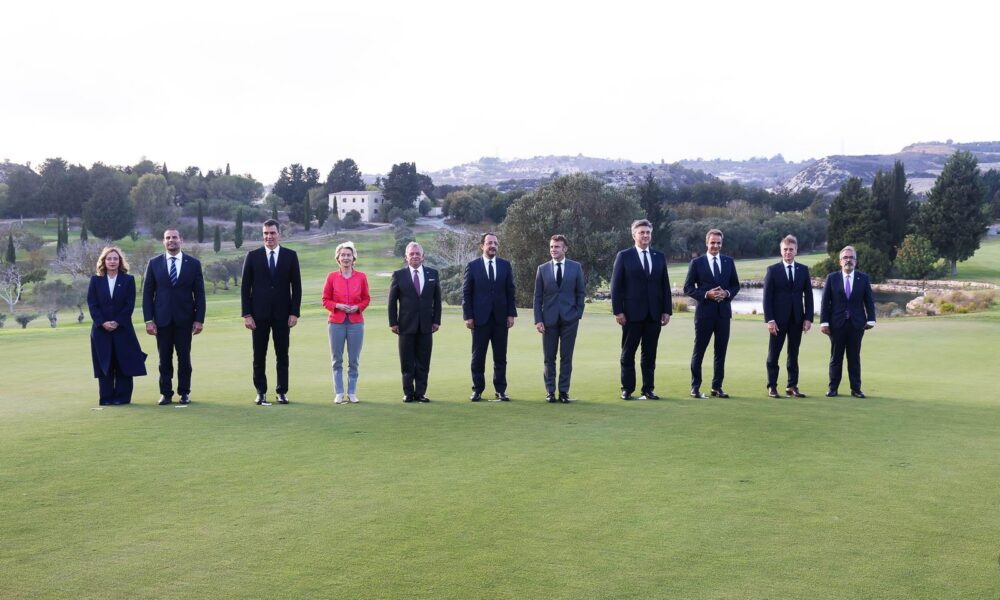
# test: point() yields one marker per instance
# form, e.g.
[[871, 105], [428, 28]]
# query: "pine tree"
[[83, 233], [853, 219], [238, 234], [892, 195], [955, 216], [227, 169], [217, 243], [201, 223], [11, 255], [306, 213], [274, 211]]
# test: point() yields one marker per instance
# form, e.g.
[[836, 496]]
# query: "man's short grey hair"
[[712, 232], [414, 244], [851, 248], [790, 241], [641, 223]]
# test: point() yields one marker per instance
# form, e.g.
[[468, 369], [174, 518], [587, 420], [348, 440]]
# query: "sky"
[[261, 85]]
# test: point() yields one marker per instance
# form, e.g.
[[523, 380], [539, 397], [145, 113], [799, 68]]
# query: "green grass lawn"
[[894, 496]]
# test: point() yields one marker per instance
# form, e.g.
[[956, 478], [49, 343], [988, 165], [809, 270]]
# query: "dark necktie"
[[645, 262], [270, 263], [790, 277], [491, 274], [416, 281], [715, 269], [173, 270], [559, 274]]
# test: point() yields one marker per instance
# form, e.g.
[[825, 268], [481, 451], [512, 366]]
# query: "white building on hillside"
[[370, 205]]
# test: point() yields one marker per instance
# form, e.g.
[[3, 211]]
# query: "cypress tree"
[[59, 236], [83, 233], [11, 255], [238, 234], [201, 223], [274, 211], [217, 244], [227, 169], [306, 213], [954, 217]]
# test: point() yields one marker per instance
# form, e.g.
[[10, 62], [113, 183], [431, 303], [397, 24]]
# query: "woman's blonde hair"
[[350, 245], [122, 262]]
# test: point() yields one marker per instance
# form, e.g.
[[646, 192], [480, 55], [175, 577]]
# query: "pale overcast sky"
[[262, 85]]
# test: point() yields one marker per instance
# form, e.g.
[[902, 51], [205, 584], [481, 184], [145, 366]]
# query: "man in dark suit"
[[271, 296], [489, 311], [173, 307], [788, 312], [558, 307], [642, 304], [415, 315], [847, 311], [712, 282]]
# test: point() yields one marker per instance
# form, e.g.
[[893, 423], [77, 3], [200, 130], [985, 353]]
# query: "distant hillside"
[[531, 172], [756, 172], [923, 161]]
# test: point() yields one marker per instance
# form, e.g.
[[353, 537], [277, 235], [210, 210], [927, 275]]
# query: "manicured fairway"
[[895, 496]]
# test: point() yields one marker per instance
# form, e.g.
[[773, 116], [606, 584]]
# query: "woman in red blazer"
[[346, 297]]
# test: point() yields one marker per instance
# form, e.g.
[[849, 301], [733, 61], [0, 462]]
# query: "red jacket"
[[350, 291]]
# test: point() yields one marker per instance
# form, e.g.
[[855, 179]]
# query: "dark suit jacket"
[[637, 294], [700, 279], [787, 302], [482, 298], [165, 303], [411, 313], [838, 310], [553, 302], [264, 297], [122, 341]]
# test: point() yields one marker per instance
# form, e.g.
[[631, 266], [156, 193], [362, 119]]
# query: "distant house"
[[370, 205]]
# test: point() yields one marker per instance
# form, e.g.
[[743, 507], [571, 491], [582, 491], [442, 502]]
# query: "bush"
[[916, 258], [873, 261], [825, 267], [352, 220]]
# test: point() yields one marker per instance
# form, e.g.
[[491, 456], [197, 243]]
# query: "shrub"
[[916, 258]]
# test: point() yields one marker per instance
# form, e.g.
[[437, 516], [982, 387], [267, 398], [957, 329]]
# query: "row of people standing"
[[174, 310]]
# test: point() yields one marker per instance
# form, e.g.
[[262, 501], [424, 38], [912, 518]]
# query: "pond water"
[[751, 300]]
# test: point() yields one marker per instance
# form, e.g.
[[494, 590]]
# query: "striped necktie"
[[173, 270]]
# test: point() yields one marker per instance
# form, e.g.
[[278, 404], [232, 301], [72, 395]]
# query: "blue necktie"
[[270, 263], [492, 276], [715, 269], [173, 270]]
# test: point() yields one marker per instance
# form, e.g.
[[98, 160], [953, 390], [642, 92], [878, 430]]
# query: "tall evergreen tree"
[[60, 246], [217, 243], [227, 170], [853, 219], [306, 213], [11, 254], [274, 211], [344, 176], [238, 234], [402, 186], [955, 216], [652, 201], [893, 197], [83, 233], [201, 223]]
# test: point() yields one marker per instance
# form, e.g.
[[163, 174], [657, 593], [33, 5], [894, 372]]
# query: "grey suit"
[[559, 308]]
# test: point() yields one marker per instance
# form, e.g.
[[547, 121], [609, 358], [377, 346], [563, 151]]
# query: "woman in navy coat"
[[114, 347]]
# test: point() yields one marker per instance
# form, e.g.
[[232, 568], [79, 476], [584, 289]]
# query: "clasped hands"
[[717, 293]]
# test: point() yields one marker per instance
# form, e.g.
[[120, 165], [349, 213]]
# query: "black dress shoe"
[[424, 399], [794, 391], [564, 398], [719, 393], [772, 391], [261, 401], [626, 395], [409, 398], [696, 393], [550, 397], [476, 397], [649, 396], [502, 397], [185, 399], [857, 393], [164, 400], [282, 399], [831, 393]]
